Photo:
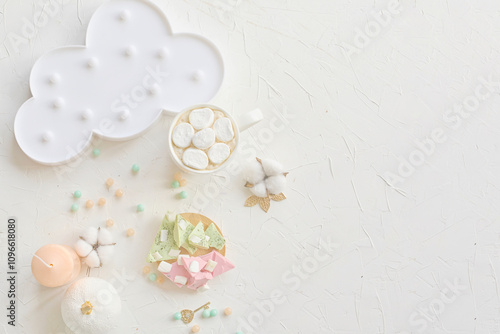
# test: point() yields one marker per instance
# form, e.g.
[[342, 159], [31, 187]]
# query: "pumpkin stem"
[[86, 308]]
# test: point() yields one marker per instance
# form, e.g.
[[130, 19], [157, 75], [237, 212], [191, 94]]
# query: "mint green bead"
[[175, 184], [140, 208], [75, 207], [206, 314], [213, 313], [77, 194], [178, 316], [183, 194], [239, 332], [152, 277], [96, 152], [135, 168]]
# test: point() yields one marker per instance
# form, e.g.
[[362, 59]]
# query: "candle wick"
[[45, 263]]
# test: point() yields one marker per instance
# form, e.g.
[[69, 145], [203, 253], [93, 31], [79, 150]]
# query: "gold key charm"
[[188, 315]]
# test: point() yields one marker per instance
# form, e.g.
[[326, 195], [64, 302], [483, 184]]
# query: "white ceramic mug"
[[246, 121]]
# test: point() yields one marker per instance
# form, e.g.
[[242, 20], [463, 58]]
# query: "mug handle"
[[249, 119]]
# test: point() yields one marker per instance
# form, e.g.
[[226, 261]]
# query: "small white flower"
[[95, 246], [265, 177]]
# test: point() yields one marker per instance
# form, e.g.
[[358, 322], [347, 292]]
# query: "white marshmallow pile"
[[204, 138]]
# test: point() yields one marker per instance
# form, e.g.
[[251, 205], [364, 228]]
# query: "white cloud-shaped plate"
[[131, 69]]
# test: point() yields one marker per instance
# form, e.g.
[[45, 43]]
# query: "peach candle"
[[55, 265]]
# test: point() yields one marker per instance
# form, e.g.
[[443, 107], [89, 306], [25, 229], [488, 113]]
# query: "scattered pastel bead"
[[195, 329], [96, 152], [228, 311], [175, 184], [160, 279], [178, 176], [110, 222], [152, 277], [77, 194], [177, 316], [89, 204], [239, 332], [109, 182], [101, 201], [183, 194], [146, 270], [119, 192], [135, 168], [130, 232], [206, 314], [140, 208], [182, 183], [74, 207], [213, 313]]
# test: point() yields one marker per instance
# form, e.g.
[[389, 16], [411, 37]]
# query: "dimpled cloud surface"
[[131, 69]]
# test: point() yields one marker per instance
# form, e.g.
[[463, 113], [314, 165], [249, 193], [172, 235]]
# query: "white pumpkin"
[[91, 306]]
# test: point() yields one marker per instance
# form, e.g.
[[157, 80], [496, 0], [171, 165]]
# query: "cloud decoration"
[[131, 69]]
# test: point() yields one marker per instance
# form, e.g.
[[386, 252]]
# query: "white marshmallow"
[[203, 288], [174, 252], [219, 153], [224, 129], [180, 280], [179, 259], [182, 135], [210, 266], [195, 240], [195, 158], [204, 139], [164, 235], [164, 267], [183, 224], [157, 256], [194, 267], [201, 118]]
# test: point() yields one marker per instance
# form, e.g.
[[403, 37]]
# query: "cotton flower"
[[95, 246], [266, 180]]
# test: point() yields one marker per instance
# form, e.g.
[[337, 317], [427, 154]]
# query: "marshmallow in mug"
[[203, 138]]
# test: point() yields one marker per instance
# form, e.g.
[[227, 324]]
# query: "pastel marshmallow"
[[194, 267], [163, 235], [224, 129], [219, 153], [210, 266], [201, 118], [157, 256], [182, 135], [203, 139], [174, 253], [187, 263], [179, 259], [164, 267], [182, 280], [195, 158], [223, 264], [175, 271]]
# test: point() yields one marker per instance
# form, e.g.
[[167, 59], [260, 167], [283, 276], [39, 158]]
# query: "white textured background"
[[416, 253]]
